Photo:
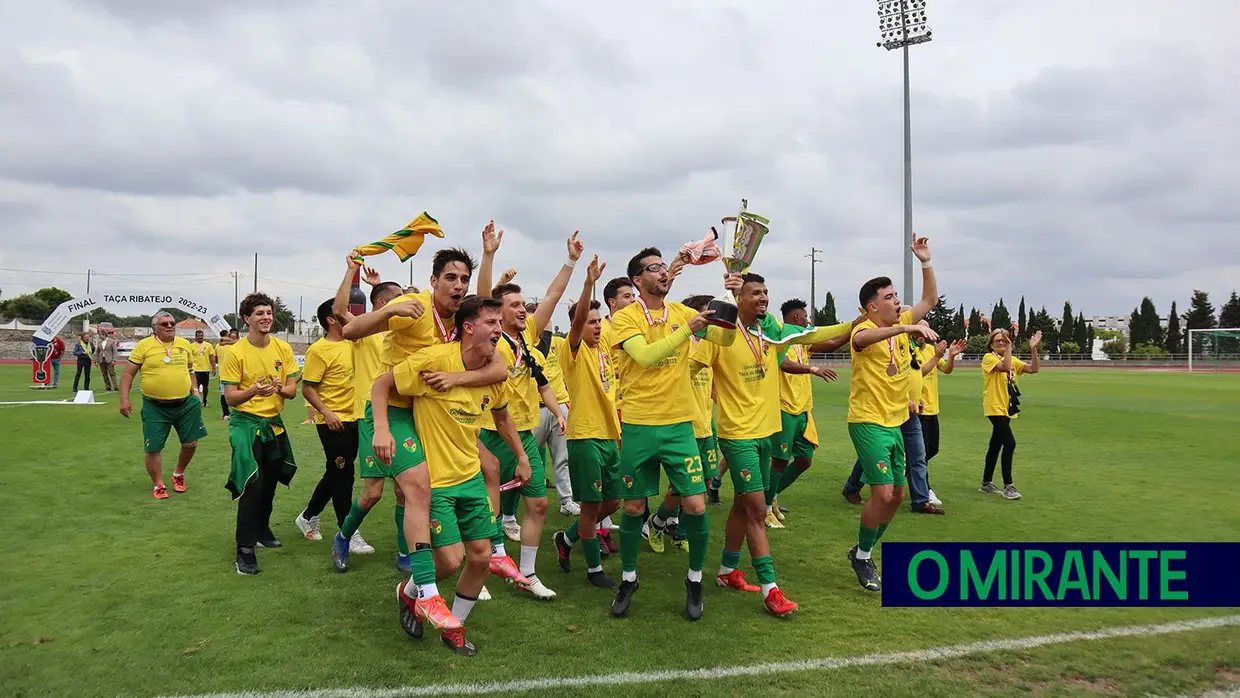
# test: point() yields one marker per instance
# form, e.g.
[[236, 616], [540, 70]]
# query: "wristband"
[[571, 262], [925, 264]]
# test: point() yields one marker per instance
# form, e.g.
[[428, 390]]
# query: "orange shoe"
[[160, 492], [455, 641], [178, 482], [506, 569], [736, 580], [436, 612], [778, 604]]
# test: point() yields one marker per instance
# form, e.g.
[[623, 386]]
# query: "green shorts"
[[594, 469], [881, 452], [708, 451], [749, 462], [409, 451], [461, 512], [792, 441], [160, 418], [670, 446], [537, 486]]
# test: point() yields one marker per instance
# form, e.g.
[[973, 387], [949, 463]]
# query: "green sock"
[[664, 514], [630, 541], [508, 502], [790, 476], [866, 538], [497, 538], [697, 530], [401, 544], [772, 488], [422, 562], [731, 560], [353, 521], [572, 533], [765, 567], [882, 528], [594, 556]]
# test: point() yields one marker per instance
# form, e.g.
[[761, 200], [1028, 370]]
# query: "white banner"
[[78, 306]]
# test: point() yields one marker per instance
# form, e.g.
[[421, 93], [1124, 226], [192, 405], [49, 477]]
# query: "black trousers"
[[83, 369], [204, 381], [224, 405], [930, 435], [254, 505], [336, 485], [1002, 441]]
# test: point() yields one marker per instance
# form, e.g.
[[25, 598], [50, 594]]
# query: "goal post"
[[1215, 341]]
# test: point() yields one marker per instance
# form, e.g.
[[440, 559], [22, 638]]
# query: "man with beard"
[[260, 375]]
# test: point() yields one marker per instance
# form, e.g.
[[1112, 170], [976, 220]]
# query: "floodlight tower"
[[902, 23]]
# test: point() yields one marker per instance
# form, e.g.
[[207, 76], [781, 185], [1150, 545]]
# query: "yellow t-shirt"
[[202, 353], [448, 422], [607, 339], [796, 392], [746, 385], [523, 396], [995, 398], [329, 365], [703, 382], [662, 394], [406, 336], [159, 380], [554, 370], [874, 397], [248, 364], [592, 382], [367, 357], [221, 353], [930, 383]]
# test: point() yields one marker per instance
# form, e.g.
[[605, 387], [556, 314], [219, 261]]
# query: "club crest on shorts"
[[409, 445], [628, 481], [598, 485], [339, 461], [745, 474], [882, 466], [370, 461], [436, 527]]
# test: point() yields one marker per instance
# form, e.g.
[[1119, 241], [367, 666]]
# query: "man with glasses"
[[164, 359]]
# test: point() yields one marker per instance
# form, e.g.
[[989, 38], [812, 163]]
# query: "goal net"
[[1213, 348]]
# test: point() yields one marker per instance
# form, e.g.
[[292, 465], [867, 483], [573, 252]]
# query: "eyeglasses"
[[655, 268], [165, 324]]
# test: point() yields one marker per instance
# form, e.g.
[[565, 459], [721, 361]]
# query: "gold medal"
[[891, 369]]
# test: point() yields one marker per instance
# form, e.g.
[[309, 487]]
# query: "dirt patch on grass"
[[1230, 674]]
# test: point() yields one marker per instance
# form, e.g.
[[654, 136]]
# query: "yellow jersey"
[[995, 398], [162, 380], [878, 391], [523, 396], [592, 382], [746, 384], [448, 422], [554, 370], [221, 353], [406, 336], [796, 391], [930, 381], [607, 340], [202, 353], [662, 394], [703, 388], [329, 367], [248, 364], [367, 357]]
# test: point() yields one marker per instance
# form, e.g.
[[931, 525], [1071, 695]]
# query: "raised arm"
[[546, 306], [340, 304], [1034, 342], [873, 335], [929, 287], [593, 273], [490, 244], [376, 321], [957, 348]]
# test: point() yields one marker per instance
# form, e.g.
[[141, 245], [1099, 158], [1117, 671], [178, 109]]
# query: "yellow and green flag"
[[405, 242]]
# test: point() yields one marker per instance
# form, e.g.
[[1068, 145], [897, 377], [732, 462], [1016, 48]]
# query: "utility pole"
[[256, 272], [411, 273], [813, 288], [88, 273], [297, 325], [236, 301]]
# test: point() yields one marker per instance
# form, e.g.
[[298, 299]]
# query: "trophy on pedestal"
[[741, 237]]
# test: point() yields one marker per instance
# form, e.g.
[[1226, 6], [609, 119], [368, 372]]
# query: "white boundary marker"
[[706, 674]]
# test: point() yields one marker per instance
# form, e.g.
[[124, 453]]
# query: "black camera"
[[1013, 398]]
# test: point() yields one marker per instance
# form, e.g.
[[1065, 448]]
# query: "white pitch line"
[[720, 672]]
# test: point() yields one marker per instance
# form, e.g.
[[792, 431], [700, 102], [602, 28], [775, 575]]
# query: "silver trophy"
[[741, 237]]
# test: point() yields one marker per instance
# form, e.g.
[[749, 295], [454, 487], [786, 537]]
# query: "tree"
[[284, 320], [1080, 334], [976, 345], [1066, 327], [1173, 342], [1089, 341], [1022, 320], [1069, 348], [958, 330], [825, 316], [53, 296], [1136, 331], [1200, 316], [1000, 318], [1151, 324], [941, 318], [975, 323], [28, 308], [1229, 316]]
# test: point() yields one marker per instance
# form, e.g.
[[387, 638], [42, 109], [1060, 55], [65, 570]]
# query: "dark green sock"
[[791, 474], [882, 528], [765, 567], [772, 487], [866, 538], [422, 562], [401, 544], [572, 533], [731, 560], [508, 502], [630, 540], [354, 520], [497, 538], [664, 514], [593, 555], [697, 530]]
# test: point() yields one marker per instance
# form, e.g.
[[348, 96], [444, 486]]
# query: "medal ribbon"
[[516, 349], [759, 352], [650, 319], [443, 332], [602, 369]]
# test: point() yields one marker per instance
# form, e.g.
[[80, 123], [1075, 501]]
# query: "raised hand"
[[958, 347], [508, 275], [371, 277], [733, 281], [699, 320], [940, 349], [575, 246], [1036, 340], [921, 248], [350, 260], [595, 271], [491, 238], [923, 332]]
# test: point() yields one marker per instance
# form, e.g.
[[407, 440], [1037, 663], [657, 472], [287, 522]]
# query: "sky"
[[1061, 150]]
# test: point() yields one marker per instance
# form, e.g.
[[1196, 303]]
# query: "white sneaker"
[[646, 531], [358, 545], [512, 530], [484, 595], [570, 508], [934, 499], [537, 589], [309, 527]]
